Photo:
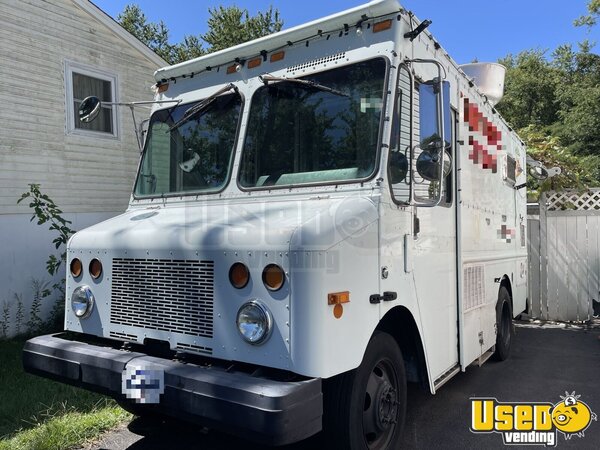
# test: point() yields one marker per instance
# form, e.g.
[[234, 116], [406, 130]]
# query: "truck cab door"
[[430, 247]]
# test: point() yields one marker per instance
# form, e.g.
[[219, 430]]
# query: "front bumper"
[[266, 411]]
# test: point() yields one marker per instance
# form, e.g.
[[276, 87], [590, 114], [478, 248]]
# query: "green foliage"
[[19, 315], [5, 321], [530, 88], [591, 18], [227, 26], [38, 413], [154, 35], [554, 102], [46, 211], [35, 324], [578, 172]]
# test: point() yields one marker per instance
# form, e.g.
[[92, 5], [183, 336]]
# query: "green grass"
[[36, 413]]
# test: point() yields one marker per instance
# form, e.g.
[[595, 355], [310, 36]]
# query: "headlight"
[[254, 322], [82, 302]]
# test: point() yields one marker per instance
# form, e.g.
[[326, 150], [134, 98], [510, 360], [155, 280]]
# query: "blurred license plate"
[[143, 383]]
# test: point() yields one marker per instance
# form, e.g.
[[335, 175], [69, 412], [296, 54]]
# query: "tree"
[[530, 88], [591, 18], [577, 172], [154, 35], [227, 26]]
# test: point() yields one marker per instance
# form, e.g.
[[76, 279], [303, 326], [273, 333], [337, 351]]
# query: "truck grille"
[[163, 294]]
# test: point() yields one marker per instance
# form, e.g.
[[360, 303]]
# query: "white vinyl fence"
[[564, 256]]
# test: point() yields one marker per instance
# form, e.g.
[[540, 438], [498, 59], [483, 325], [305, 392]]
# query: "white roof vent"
[[489, 78]]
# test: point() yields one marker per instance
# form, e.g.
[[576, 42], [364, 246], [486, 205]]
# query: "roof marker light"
[[383, 25], [278, 56], [254, 62]]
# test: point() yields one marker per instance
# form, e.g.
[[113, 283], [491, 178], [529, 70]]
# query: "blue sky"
[[465, 28]]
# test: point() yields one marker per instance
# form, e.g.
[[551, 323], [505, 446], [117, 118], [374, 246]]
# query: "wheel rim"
[[506, 326], [380, 410]]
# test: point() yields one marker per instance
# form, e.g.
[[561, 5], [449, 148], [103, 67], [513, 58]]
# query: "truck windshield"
[[193, 156], [299, 135]]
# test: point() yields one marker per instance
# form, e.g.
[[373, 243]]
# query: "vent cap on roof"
[[489, 78]]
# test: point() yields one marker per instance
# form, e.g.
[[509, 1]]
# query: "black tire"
[[364, 409], [504, 325]]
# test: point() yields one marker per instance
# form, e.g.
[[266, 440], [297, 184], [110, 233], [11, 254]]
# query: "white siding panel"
[[82, 174]]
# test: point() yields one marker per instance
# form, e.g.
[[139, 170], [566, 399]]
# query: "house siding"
[[89, 177], [81, 173]]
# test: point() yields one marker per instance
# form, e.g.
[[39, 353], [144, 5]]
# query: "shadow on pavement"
[[543, 365]]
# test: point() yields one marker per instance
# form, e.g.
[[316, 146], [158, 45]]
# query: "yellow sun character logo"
[[572, 416]]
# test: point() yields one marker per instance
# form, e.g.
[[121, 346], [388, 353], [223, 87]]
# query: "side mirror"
[[428, 164], [89, 109], [538, 172]]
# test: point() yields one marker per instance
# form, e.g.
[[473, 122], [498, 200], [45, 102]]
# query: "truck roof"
[[279, 40]]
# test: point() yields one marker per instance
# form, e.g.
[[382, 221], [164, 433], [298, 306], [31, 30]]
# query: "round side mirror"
[[538, 172], [398, 167], [428, 164], [89, 109]]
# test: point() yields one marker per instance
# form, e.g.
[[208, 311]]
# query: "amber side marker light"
[[254, 63], [278, 56], [95, 268], [273, 277], [239, 275], [76, 267], [337, 299], [383, 25]]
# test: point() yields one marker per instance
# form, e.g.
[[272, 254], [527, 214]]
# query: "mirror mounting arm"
[[90, 108]]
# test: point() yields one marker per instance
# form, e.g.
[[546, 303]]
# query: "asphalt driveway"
[[545, 362]]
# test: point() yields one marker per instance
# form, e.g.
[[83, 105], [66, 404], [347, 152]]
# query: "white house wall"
[[90, 178]]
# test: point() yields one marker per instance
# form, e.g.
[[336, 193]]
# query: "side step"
[[483, 358], [446, 377]]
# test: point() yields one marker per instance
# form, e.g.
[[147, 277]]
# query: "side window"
[[420, 150], [400, 144], [81, 82]]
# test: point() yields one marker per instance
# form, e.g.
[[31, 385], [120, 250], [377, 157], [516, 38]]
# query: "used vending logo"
[[531, 423]]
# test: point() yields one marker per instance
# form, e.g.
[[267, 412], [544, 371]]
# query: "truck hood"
[[311, 225]]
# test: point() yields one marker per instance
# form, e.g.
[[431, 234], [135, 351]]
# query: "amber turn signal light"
[[273, 277], [76, 267], [337, 298], [95, 268], [239, 275]]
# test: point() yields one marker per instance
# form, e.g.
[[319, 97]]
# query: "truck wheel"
[[504, 325], [365, 408]]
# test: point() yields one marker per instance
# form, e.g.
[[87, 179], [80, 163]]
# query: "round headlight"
[[82, 301], [273, 277], [95, 268], [254, 322], [76, 267], [239, 275]]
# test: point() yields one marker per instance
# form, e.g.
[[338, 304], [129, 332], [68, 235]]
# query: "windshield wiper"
[[202, 106], [266, 79]]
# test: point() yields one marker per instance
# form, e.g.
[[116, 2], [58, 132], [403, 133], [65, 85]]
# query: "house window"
[[81, 82]]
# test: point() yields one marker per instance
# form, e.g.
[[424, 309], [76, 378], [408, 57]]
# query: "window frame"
[[376, 167], [100, 74], [182, 194], [449, 181]]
